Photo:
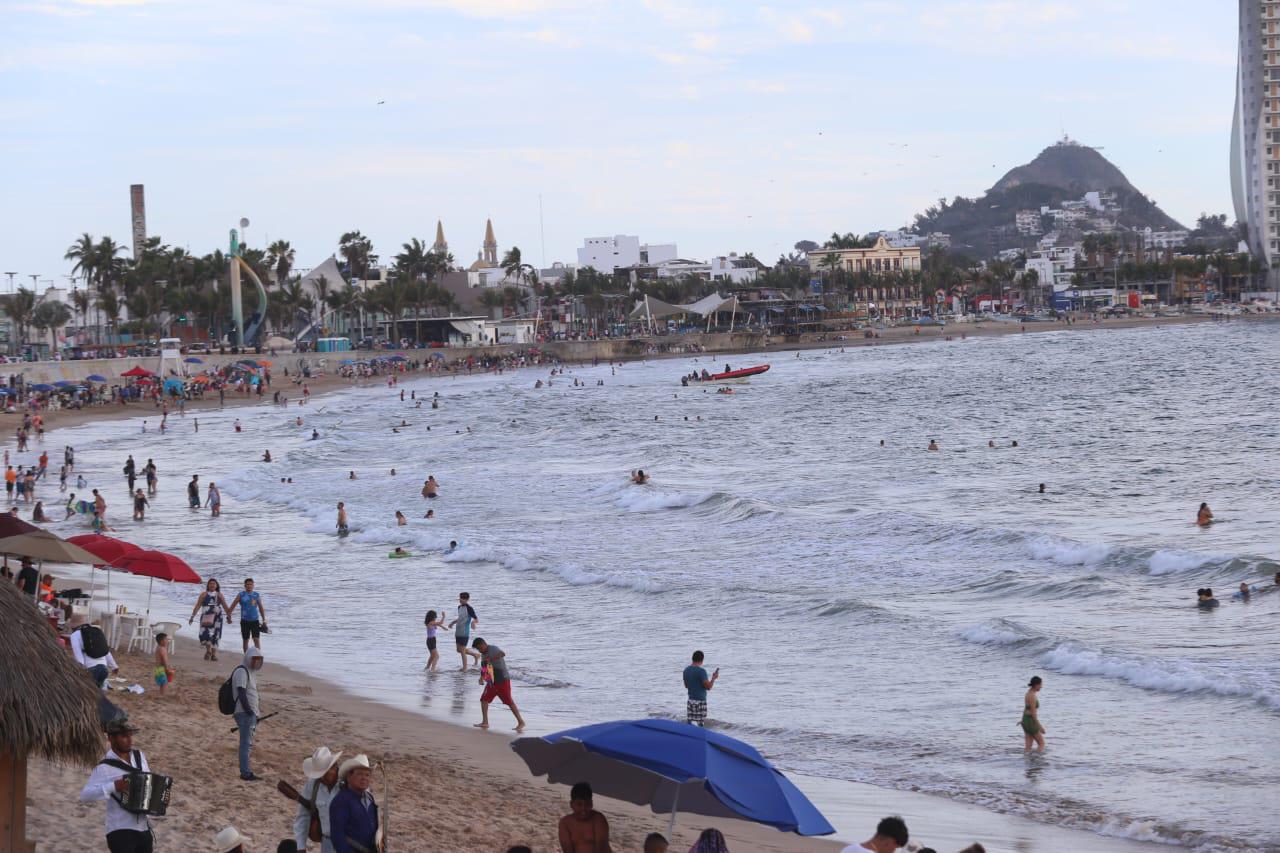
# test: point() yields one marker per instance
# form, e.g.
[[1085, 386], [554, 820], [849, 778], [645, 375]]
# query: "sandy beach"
[[451, 788]]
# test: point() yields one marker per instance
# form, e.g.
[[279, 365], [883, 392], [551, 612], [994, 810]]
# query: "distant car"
[[198, 348]]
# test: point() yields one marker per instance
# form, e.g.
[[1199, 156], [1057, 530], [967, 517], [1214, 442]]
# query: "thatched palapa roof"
[[48, 702]]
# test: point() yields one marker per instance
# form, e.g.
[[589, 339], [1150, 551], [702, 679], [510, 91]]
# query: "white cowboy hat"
[[227, 840], [319, 762], [352, 763]]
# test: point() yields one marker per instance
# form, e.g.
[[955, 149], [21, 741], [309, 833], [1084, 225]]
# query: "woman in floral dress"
[[210, 606]]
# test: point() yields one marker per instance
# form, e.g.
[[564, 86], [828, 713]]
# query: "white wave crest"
[[1073, 659], [647, 500], [1067, 552]]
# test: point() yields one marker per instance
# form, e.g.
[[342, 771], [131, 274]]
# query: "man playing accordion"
[[128, 830]]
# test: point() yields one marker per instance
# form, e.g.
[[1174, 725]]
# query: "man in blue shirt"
[[353, 813], [253, 614], [697, 683]]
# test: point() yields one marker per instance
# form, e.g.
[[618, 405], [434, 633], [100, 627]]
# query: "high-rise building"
[[1255, 132]]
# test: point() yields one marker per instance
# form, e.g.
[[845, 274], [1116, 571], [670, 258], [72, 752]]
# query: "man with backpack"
[[127, 832], [239, 696], [89, 646]]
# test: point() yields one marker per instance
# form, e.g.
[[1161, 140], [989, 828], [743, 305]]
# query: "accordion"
[[148, 793]]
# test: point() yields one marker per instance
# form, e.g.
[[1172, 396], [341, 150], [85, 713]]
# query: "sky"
[[720, 126]]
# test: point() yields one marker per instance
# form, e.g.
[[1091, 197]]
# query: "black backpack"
[[94, 642], [227, 694]]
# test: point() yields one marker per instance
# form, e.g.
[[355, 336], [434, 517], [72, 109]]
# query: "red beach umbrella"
[[137, 370], [11, 525], [158, 565], [107, 549]]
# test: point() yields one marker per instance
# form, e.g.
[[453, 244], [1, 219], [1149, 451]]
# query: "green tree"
[[19, 307], [50, 316], [279, 258], [357, 250]]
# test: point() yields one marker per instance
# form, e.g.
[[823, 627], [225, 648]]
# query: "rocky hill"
[[1062, 172]]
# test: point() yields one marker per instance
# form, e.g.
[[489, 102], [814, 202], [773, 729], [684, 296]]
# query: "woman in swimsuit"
[[1205, 515], [1031, 727], [401, 521]]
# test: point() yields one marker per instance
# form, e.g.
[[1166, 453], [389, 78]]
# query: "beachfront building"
[[734, 268], [1255, 133], [622, 251], [880, 258], [1028, 222]]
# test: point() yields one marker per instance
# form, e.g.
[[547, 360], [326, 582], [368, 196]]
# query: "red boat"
[[727, 375]]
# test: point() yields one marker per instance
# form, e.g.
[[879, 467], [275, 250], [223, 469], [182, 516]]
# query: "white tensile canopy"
[[707, 306]]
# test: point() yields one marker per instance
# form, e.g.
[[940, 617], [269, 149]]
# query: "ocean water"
[[875, 611]]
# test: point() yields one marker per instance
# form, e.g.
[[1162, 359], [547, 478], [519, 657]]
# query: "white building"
[[734, 269], [606, 254], [1054, 266], [1028, 222], [1163, 239]]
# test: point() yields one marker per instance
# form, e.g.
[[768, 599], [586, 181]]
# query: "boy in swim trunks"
[[163, 672]]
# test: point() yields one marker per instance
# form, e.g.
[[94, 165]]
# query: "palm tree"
[[81, 301], [108, 303], [280, 257], [51, 315], [19, 307], [412, 262], [357, 250], [84, 251], [512, 265], [391, 297]]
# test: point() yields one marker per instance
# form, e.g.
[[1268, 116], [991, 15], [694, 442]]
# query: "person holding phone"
[[698, 683]]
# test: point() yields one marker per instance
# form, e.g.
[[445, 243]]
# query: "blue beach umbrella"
[[64, 383], [173, 385], [191, 359], [673, 767], [397, 358], [43, 386], [94, 377]]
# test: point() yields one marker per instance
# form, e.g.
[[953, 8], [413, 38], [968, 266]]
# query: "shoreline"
[[325, 385]]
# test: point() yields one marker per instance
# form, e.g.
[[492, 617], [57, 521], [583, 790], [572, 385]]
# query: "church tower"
[[490, 244], [441, 246]]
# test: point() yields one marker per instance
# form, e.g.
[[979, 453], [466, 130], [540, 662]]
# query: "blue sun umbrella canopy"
[[43, 386], [191, 359], [173, 385], [65, 383], [674, 767], [94, 377], [396, 358]]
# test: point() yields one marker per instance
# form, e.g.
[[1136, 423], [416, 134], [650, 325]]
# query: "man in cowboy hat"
[[353, 814], [321, 770], [229, 841], [126, 832]]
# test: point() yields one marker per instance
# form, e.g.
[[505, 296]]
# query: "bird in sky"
[[380, 103]]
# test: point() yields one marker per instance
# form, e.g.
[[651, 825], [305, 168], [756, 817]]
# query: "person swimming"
[[266, 456], [1205, 599], [933, 444], [315, 434], [453, 546], [1245, 592], [351, 476], [639, 477], [343, 529], [1204, 516], [1042, 488], [401, 521], [399, 552], [430, 488], [431, 513]]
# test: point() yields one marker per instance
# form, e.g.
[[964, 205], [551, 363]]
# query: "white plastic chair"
[[169, 628], [141, 636]]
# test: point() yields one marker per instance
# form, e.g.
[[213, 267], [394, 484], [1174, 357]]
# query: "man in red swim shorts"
[[500, 687]]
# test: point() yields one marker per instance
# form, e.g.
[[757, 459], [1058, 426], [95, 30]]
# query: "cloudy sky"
[[721, 126]]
